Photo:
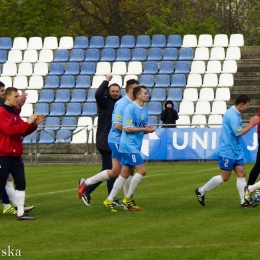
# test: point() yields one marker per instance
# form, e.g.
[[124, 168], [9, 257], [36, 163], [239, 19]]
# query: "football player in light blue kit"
[[135, 125], [230, 150]]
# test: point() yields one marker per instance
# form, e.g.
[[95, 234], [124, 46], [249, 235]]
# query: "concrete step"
[[251, 68], [247, 82], [248, 74], [250, 52]]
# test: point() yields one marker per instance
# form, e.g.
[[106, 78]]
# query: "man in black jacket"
[[106, 97], [169, 115]]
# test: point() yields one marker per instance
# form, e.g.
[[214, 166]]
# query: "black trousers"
[[106, 164]]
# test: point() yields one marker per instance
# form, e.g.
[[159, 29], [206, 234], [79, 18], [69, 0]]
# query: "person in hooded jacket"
[[169, 115]]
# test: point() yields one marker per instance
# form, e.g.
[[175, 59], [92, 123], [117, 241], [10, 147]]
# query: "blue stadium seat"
[[46, 137], [155, 54], [150, 67], [154, 108], [72, 68], [46, 96], [186, 54], [166, 67], [63, 136], [127, 41], [41, 108], [52, 123], [83, 81], [143, 41], [78, 95], [92, 55], [89, 109], [158, 95], [5, 43], [56, 68], [139, 54], [81, 42], [91, 95], [67, 82], [69, 123], [62, 95], [123, 55], [174, 41], [123, 92], [162, 81], [182, 67], [108, 55], [73, 109], [174, 94], [112, 42], [2, 56], [77, 55], [96, 42], [170, 54], [61, 56], [31, 138], [57, 109], [87, 68], [51, 82], [152, 120], [178, 81], [147, 80], [158, 41]]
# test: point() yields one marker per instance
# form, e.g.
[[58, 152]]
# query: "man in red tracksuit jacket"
[[12, 129]]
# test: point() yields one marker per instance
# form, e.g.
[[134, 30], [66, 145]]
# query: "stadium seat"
[[206, 94], [189, 40], [9, 69], [202, 108], [186, 108], [52, 123], [3, 57], [198, 121], [73, 109], [56, 69], [150, 67], [97, 80], [143, 41], [190, 94], [50, 43], [178, 81], [19, 43], [46, 96], [217, 53], [117, 79], [46, 137], [51, 82], [205, 40], [152, 120], [15, 56], [127, 41], [45, 56], [82, 81], [103, 68], [236, 40], [40, 69], [91, 96], [166, 67], [27, 110], [158, 41], [233, 53], [154, 54], [174, 41], [123, 91], [62, 96], [35, 43], [134, 68], [81, 42], [78, 95], [218, 107], [162, 81], [158, 95], [220, 40], [222, 94], [194, 81], [32, 96], [96, 42], [63, 136], [108, 55], [198, 67], [61, 56], [226, 80], [41, 108], [139, 54], [30, 139], [215, 121], [76, 55], [147, 80], [213, 66], [5, 43], [170, 54], [25, 69], [182, 67], [174, 94], [229, 66], [66, 42], [93, 131], [154, 108], [112, 42], [127, 77], [186, 54], [92, 55], [201, 54], [87, 68], [72, 68], [20, 82], [123, 55], [68, 123], [183, 121], [119, 68], [89, 109], [79, 136], [67, 82], [7, 81], [210, 80], [57, 109]]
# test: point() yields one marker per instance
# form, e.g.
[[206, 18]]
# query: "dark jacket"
[[169, 116], [105, 108]]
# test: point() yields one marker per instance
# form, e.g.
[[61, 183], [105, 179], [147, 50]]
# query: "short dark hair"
[[2, 84], [242, 99], [130, 83], [114, 85], [9, 91], [137, 90]]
